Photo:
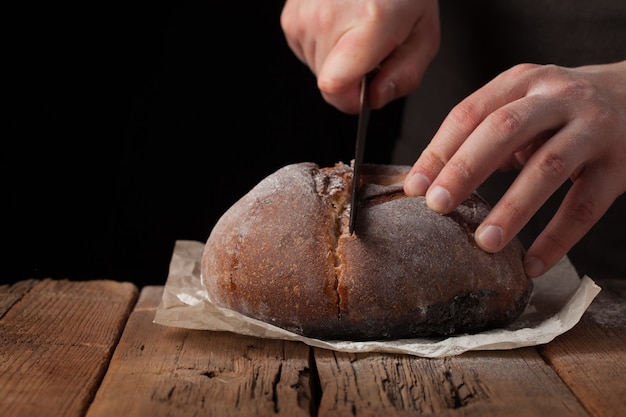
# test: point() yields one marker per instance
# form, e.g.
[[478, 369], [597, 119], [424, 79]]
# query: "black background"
[[126, 129]]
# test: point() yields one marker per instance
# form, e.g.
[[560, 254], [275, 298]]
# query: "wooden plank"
[[591, 358], [164, 371], [498, 383], [56, 342], [11, 294]]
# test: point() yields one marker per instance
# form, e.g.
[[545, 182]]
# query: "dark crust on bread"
[[282, 254]]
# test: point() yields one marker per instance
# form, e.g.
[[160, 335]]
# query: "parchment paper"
[[559, 299]]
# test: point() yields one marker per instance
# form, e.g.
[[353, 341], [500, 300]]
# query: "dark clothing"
[[481, 39]]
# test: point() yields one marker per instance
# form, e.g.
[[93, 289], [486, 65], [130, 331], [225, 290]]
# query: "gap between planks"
[[158, 370]]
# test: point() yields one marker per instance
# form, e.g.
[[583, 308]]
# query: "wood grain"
[[591, 358], [11, 294], [55, 343], [165, 371], [504, 383], [58, 337]]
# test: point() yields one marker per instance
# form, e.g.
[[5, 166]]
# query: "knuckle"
[[285, 22], [555, 242], [511, 209], [561, 82], [465, 116], [576, 88], [522, 70], [288, 26], [552, 167], [291, 19], [505, 123], [581, 212], [324, 17], [432, 160], [374, 11], [573, 219], [461, 171]]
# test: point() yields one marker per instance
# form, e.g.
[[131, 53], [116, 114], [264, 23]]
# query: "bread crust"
[[282, 254]]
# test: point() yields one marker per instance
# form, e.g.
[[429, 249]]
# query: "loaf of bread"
[[283, 254]]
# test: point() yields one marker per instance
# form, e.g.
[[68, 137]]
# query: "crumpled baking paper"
[[559, 299]]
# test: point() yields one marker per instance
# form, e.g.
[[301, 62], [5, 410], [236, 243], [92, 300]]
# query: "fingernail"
[[416, 184], [489, 237], [534, 267], [438, 199]]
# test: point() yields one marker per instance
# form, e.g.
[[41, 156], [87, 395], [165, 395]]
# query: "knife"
[[361, 135]]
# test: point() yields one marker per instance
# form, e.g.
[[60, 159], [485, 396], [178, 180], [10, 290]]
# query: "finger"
[[518, 159], [489, 146], [399, 74], [459, 125], [588, 199], [548, 169], [355, 54], [453, 131], [290, 22], [403, 70], [296, 48]]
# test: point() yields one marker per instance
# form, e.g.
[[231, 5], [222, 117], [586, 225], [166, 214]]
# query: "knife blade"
[[361, 135]]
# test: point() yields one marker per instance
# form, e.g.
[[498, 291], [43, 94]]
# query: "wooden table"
[[91, 349]]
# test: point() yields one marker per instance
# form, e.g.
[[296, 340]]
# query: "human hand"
[[341, 41], [554, 124]]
